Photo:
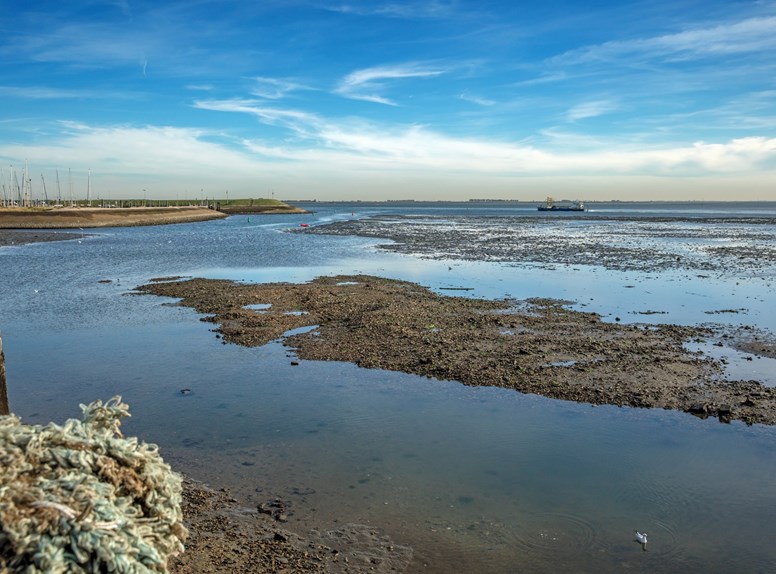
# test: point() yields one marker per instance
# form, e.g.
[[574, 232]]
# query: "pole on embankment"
[[3, 388]]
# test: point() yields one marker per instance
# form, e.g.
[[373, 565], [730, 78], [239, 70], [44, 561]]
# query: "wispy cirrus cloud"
[[366, 84], [404, 10], [751, 35], [295, 120], [200, 87], [480, 101], [350, 143], [42, 93], [48, 93], [590, 110], [275, 88], [89, 45]]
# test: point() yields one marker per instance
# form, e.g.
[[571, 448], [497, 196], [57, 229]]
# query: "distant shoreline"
[[91, 217], [239, 209], [532, 202]]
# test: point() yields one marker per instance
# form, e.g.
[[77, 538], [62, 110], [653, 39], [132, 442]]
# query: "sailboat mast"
[[45, 193], [26, 186], [16, 187], [59, 191]]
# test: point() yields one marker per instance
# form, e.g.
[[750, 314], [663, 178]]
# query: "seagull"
[[641, 537]]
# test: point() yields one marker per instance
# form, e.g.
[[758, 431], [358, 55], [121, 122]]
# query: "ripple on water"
[[579, 544], [556, 533]]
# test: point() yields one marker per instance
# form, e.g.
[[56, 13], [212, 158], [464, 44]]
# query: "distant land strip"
[[92, 217]]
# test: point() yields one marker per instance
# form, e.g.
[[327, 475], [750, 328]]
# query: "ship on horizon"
[[551, 205]]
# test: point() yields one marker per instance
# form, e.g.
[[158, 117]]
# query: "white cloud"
[[89, 45], [275, 88], [153, 151], [545, 78], [41, 93], [753, 35], [295, 120], [349, 143], [590, 110], [365, 84], [484, 102], [407, 10], [350, 151]]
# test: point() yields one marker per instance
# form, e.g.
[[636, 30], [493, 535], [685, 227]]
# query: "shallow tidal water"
[[474, 479]]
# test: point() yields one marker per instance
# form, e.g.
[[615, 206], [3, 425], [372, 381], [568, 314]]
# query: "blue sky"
[[392, 99]]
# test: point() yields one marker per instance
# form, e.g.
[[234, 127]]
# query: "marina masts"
[[45, 193], [59, 191]]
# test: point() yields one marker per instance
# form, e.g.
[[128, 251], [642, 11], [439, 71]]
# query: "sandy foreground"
[[87, 217], [225, 538]]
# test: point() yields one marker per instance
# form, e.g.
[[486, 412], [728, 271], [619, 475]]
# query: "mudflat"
[[225, 537], [13, 237], [89, 217], [536, 346], [646, 244]]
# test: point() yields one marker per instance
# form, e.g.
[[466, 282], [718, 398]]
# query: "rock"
[[698, 409]]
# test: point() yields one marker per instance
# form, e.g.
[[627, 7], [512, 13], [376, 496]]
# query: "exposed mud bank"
[[537, 346]]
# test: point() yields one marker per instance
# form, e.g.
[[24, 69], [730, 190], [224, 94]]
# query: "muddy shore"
[[13, 237], [225, 537], [90, 217], [537, 346], [698, 245]]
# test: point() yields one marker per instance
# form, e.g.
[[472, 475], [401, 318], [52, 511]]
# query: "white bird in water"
[[641, 537]]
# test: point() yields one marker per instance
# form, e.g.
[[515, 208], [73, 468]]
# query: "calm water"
[[475, 479]]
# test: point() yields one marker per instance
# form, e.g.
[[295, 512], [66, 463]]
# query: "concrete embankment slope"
[[86, 217]]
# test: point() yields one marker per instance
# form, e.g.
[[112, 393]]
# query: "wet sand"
[[646, 244], [537, 346], [225, 538], [8, 237], [90, 217]]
